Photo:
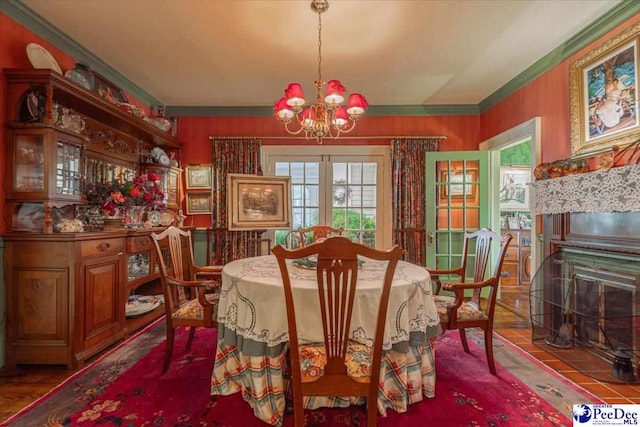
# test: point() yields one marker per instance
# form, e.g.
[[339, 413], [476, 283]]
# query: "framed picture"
[[198, 203], [198, 177], [603, 100], [459, 184], [173, 188], [258, 202], [107, 89], [514, 188]]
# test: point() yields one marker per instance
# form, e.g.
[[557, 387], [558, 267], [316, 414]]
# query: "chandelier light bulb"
[[327, 118]]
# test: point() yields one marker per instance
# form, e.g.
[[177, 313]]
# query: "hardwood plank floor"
[[20, 388]]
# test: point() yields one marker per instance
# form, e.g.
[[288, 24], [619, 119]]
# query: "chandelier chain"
[[319, 46]]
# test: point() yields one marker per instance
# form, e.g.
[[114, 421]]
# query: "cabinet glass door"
[[29, 163], [68, 169]]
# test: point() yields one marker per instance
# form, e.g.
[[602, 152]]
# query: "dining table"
[[253, 333]]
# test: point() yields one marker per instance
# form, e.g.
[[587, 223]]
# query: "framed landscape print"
[[198, 177], [198, 203], [603, 97], [258, 202]]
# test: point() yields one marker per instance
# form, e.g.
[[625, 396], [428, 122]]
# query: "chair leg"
[[488, 347], [168, 348], [372, 409], [192, 333], [463, 339], [298, 412]]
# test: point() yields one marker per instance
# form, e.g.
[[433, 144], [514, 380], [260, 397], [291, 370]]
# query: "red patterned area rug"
[[124, 388]]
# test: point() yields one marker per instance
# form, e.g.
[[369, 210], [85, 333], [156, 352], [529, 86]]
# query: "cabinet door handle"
[[103, 246]]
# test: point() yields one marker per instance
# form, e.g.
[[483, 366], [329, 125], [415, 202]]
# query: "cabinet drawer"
[[101, 247], [511, 255], [139, 244], [509, 276]]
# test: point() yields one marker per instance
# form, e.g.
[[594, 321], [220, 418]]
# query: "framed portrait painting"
[[258, 202], [514, 188], [603, 97]]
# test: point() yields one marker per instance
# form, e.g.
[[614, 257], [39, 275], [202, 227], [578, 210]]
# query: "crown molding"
[[25, 16], [616, 16], [374, 110]]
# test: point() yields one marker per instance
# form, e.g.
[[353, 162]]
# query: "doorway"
[[513, 155]]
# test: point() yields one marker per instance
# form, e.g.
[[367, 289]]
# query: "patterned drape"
[[408, 184], [231, 155]]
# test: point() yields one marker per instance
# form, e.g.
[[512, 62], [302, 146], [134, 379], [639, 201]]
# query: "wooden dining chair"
[[481, 241], [457, 313], [339, 366], [191, 292], [318, 231]]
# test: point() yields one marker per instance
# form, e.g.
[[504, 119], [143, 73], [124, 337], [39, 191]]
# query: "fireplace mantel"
[[609, 190]]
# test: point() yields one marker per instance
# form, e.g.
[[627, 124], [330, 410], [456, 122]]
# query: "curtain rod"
[[330, 139]]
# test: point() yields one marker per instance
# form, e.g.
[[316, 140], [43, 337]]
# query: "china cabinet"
[[67, 292]]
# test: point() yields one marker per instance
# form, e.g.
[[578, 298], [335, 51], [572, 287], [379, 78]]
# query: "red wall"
[[546, 97]]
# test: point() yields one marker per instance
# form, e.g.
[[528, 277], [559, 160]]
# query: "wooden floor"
[[19, 389]]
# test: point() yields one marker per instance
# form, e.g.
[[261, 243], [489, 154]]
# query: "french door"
[[457, 201], [338, 186]]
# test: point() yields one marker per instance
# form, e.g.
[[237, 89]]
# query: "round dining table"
[[253, 333]]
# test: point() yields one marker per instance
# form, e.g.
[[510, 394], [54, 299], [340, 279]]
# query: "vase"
[[133, 216]]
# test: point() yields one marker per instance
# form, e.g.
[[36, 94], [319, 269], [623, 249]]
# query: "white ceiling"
[[245, 52]]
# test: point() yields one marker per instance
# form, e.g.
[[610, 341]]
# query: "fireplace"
[[584, 298], [585, 310]]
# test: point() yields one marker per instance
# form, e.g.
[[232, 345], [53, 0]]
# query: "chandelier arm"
[[292, 132]]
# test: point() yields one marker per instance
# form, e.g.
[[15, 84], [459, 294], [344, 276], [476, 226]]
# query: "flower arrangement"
[[114, 197]]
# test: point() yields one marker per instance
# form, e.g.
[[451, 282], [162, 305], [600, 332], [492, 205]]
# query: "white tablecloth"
[[252, 311], [252, 333]]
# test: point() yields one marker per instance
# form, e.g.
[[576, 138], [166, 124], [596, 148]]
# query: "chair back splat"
[[337, 279]]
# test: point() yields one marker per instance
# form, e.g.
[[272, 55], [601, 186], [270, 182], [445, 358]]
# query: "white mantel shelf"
[[609, 190]]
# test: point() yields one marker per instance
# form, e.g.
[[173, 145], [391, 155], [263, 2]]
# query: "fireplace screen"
[[585, 311]]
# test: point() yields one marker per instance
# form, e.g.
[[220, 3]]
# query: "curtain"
[[408, 198], [230, 155]]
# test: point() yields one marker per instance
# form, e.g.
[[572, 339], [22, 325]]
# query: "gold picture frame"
[[258, 202], [603, 101], [198, 203], [198, 177]]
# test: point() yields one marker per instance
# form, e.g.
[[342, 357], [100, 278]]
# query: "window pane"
[[369, 173], [355, 196], [312, 173], [355, 173], [312, 195], [297, 173]]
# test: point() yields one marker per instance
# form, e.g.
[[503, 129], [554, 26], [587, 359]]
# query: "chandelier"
[[327, 118]]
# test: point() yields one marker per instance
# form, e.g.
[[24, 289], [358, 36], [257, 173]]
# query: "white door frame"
[[530, 129]]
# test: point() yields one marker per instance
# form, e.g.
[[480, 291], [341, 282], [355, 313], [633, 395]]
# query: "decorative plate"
[[167, 218], [155, 218], [141, 305], [41, 58]]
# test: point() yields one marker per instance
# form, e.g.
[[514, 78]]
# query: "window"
[[338, 186]]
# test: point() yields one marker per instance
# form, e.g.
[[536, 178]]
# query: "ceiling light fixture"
[[326, 118]]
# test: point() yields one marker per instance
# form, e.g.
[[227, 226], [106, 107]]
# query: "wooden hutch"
[[67, 291]]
